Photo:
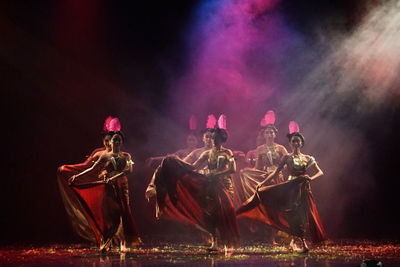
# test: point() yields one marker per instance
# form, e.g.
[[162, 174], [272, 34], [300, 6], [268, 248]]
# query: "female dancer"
[[268, 157], [207, 141], [191, 139], [191, 144], [289, 206], [220, 166], [251, 155], [203, 200], [106, 199], [72, 203]]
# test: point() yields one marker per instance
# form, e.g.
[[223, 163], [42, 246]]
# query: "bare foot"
[[213, 247], [305, 247], [106, 246], [292, 246], [122, 247]]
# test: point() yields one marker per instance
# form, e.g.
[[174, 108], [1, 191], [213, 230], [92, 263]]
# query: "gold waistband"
[[292, 177]]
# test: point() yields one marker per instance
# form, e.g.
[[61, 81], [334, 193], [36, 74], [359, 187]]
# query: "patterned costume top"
[[219, 161], [116, 164], [298, 165], [288, 206], [268, 159]]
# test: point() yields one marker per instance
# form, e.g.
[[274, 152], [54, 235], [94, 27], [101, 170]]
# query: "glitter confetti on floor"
[[340, 253]]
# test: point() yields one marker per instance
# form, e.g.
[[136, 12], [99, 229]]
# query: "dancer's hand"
[[258, 186], [103, 174], [150, 192], [307, 177], [71, 179]]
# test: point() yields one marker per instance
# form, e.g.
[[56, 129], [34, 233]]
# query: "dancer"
[[268, 157], [191, 140], [105, 200], [203, 200], [71, 201], [267, 120], [207, 140], [289, 206], [191, 145], [251, 155]]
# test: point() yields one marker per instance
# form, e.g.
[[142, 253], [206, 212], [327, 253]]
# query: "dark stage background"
[[66, 65]]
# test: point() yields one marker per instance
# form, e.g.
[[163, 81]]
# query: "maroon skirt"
[[96, 209], [189, 197], [288, 207]]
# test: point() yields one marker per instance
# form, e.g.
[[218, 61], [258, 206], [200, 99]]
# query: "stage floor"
[[339, 253]]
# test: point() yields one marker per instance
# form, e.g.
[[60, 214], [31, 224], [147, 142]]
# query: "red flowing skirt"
[[189, 197], [97, 209], [288, 207]]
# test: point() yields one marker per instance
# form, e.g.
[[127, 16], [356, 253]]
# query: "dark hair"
[[221, 133], [270, 126], [107, 134], [112, 133], [207, 130], [289, 136]]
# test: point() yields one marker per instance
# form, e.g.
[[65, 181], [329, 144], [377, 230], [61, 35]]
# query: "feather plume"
[[269, 117], [262, 122], [107, 123], [222, 122], [211, 121], [293, 127], [192, 123], [115, 125]]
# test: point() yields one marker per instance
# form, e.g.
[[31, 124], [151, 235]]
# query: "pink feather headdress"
[[192, 123], [107, 123], [269, 118], [112, 124], [211, 121], [293, 127], [222, 122]]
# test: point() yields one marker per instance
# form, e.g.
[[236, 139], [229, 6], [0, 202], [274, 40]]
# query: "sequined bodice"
[[272, 155], [269, 157], [218, 160], [116, 164], [298, 164]]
